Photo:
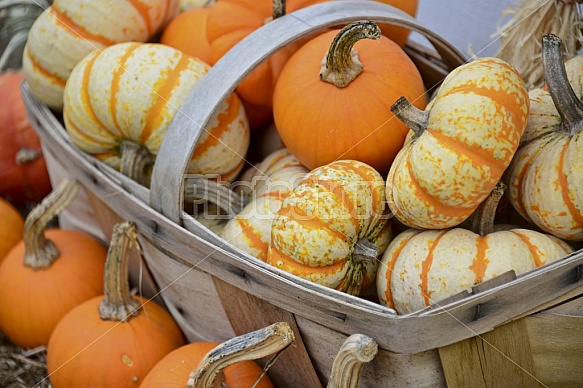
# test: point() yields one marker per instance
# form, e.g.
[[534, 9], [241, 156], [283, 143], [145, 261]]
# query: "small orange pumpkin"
[[344, 112], [48, 273], [11, 227], [187, 33], [115, 339]]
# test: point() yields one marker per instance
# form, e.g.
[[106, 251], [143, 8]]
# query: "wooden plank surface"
[[247, 313]]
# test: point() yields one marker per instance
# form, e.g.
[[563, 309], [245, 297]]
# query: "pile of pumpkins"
[[370, 188]]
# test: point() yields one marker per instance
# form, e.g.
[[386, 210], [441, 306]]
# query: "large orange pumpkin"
[[187, 33], [48, 273], [23, 172], [11, 227], [340, 109], [461, 146], [112, 340]]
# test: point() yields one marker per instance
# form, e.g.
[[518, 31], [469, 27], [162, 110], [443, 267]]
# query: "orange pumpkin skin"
[[232, 20], [27, 182], [320, 122], [187, 33], [174, 369], [11, 227], [399, 35], [87, 351], [33, 301]]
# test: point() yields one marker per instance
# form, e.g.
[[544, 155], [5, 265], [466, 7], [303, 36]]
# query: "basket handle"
[[200, 105]]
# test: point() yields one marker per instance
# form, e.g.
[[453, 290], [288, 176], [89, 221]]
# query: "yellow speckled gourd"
[[420, 268], [275, 177], [462, 145], [332, 227], [70, 29], [128, 94], [545, 178]]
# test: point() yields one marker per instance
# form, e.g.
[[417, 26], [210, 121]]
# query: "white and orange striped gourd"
[[462, 145], [70, 29], [332, 227], [131, 92], [420, 268], [273, 179], [545, 178]]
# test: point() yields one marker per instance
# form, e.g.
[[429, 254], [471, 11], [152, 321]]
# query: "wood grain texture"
[[248, 313]]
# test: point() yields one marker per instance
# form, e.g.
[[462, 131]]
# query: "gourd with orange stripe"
[[420, 268], [70, 29], [462, 144], [332, 227], [119, 103], [273, 179], [545, 178]]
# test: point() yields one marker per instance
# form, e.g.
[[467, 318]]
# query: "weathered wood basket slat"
[[216, 291]]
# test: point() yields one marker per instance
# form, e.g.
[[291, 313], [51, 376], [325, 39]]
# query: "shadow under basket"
[[510, 331]]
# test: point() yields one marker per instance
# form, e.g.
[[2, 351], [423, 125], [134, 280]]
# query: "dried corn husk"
[[520, 37]]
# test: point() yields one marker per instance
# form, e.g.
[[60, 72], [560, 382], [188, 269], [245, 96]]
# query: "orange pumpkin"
[[48, 273], [11, 227], [23, 173], [187, 33], [397, 34], [112, 340], [174, 369], [344, 113], [230, 21]]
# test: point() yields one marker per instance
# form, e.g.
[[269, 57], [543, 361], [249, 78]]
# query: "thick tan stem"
[[341, 64], [136, 162], [278, 11], [414, 118], [26, 156], [261, 343], [40, 252], [356, 351], [482, 220], [568, 105], [118, 303]]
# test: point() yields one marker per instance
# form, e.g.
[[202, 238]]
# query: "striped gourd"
[[545, 178], [131, 92], [331, 228], [420, 268], [70, 29], [462, 145], [269, 183]]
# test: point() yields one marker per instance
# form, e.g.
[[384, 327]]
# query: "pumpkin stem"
[[136, 162], [482, 220], [341, 64], [363, 251], [568, 105], [251, 346], [26, 156], [357, 350], [207, 190], [40, 252], [118, 303], [209, 3], [414, 118], [278, 11]]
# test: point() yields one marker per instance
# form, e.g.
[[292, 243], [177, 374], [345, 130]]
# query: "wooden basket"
[[216, 291]]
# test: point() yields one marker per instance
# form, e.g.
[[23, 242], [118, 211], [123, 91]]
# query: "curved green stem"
[[341, 64], [568, 105]]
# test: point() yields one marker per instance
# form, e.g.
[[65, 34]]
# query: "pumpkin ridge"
[[155, 116], [390, 266], [535, 252], [75, 29], [214, 134], [54, 77], [254, 238], [377, 201], [426, 267], [480, 262], [143, 11], [575, 212], [73, 129], [293, 266], [115, 87], [227, 175]]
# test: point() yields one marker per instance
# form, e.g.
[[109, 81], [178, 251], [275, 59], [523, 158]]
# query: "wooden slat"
[[248, 313], [500, 358]]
